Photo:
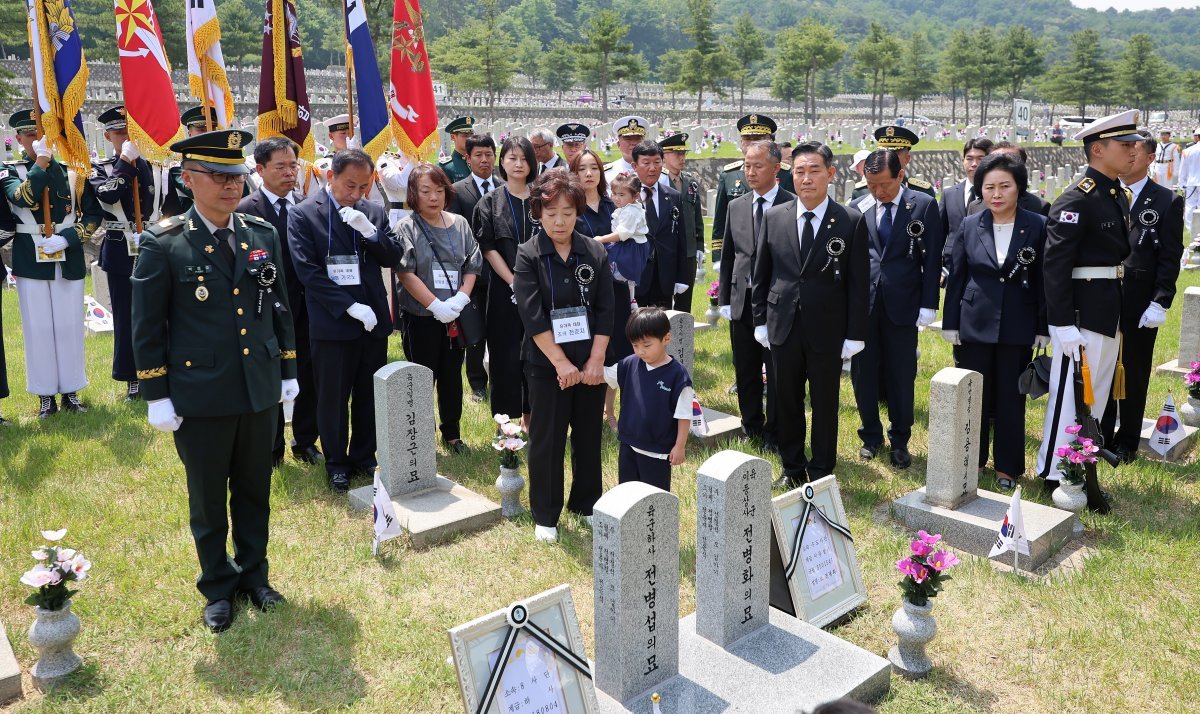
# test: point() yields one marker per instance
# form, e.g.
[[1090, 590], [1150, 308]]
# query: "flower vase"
[[916, 628], [712, 314], [1069, 496], [52, 634], [1189, 411], [510, 483]]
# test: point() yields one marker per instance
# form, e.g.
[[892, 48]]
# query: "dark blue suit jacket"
[[310, 243], [669, 258], [906, 274], [996, 304]]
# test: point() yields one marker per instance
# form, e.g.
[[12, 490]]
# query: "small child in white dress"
[[627, 246]]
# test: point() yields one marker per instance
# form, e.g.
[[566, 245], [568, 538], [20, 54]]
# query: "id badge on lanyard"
[[570, 325], [342, 269], [445, 279]]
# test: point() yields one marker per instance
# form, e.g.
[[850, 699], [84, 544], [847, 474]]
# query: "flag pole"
[[349, 73], [47, 224]]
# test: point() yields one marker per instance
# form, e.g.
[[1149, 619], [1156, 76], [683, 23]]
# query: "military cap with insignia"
[[674, 142], [631, 125], [23, 120], [341, 122], [895, 137], [461, 125], [219, 151], [1122, 127], [573, 133], [194, 117], [756, 125], [112, 119]]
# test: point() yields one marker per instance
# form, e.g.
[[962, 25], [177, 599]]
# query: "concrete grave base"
[[974, 525], [10, 671], [1176, 452], [786, 666], [720, 426], [702, 326], [1172, 368], [436, 514]]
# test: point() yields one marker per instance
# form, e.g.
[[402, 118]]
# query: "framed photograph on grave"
[[823, 578], [544, 667]]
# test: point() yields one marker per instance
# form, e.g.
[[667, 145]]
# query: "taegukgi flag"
[[387, 526], [1167, 430], [1012, 530]]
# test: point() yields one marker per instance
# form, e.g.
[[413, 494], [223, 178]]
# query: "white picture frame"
[[475, 647], [833, 572]]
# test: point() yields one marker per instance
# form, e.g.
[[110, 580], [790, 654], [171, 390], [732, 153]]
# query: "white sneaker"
[[589, 521], [545, 534]]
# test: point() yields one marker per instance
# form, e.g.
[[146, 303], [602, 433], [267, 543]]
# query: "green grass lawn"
[[367, 634]]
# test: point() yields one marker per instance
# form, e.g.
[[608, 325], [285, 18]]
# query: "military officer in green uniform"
[[902, 140], [48, 262], [215, 353], [456, 166], [675, 150], [732, 181]]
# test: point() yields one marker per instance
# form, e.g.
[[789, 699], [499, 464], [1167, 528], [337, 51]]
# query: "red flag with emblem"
[[414, 117], [151, 114]]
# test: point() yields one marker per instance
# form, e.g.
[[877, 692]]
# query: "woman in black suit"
[[564, 290], [995, 309], [502, 224]]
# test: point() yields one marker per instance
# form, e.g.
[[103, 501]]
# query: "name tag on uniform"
[[570, 325], [342, 269], [445, 279]]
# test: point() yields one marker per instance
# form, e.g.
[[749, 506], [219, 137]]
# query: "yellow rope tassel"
[[1088, 397], [1118, 387]]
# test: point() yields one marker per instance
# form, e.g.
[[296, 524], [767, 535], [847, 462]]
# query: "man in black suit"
[[1156, 242], [957, 198], [481, 157], [743, 220], [665, 272], [905, 232], [277, 166], [810, 305], [340, 243]]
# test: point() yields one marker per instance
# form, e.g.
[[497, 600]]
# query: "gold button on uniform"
[[187, 364], [245, 350], [200, 279], [239, 311], [243, 330], [236, 291]]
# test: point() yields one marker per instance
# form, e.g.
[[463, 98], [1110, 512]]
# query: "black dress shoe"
[[48, 406], [866, 453], [458, 446], [71, 403], [132, 392], [901, 459], [790, 480], [479, 395], [1124, 455], [4, 422], [309, 455], [769, 446], [218, 615], [339, 483], [264, 597]]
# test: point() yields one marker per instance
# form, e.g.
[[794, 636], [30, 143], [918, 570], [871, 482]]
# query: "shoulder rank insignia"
[[609, 165], [168, 223], [862, 183], [734, 166], [247, 218], [447, 160], [919, 183], [1086, 185]]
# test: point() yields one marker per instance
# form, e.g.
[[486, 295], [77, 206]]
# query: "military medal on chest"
[[201, 293]]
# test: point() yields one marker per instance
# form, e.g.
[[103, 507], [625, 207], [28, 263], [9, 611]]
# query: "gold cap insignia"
[[235, 140], [753, 118], [890, 131]]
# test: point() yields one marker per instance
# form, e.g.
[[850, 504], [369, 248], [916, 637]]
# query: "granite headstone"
[[404, 427], [955, 402]]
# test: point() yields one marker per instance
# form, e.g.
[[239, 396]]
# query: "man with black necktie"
[[905, 232], [810, 293], [743, 218], [278, 168], [957, 198], [663, 277]]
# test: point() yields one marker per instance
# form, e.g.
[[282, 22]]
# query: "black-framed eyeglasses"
[[221, 179]]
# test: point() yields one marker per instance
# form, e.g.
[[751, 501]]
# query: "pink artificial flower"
[[1062, 451], [80, 565], [40, 554], [1192, 377], [943, 560], [1085, 442], [1074, 429], [514, 444], [500, 418], [928, 538], [498, 445], [922, 573], [1194, 364], [65, 554], [37, 578], [907, 566], [510, 428], [921, 548], [1076, 457], [1091, 449], [54, 535]]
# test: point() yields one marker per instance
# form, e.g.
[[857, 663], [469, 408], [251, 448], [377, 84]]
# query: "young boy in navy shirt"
[[656, 402]]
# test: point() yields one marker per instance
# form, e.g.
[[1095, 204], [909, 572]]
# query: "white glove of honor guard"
[[363, 314], [358, 220], [1070, 340], [41, 148], [129, 151], [1153, 317], [925, 317], [726, 311], [53, 244], [951, 336], [162, 415], [458, 302], [680, 288], [290, 389], [852, 347], [760, 336], [442, 311]]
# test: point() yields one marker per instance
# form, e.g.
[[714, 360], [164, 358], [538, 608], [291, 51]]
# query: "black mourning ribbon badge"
[[1025, 258], [1148, 218], [267, 274], [915, 230], [518, 621], [835, 246], [798, 539]]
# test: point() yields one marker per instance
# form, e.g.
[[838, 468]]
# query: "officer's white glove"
[[290, 389], [1041, 342], [699, 257], [53, 244], [1070, 340], [129, 151], [353, 142], [852, 347], [358, 220], [680, 288], [363, 314], [442, 311], [726, 312], [760, 336], [162, 415], [951, 336], [458, 302], [926, 316], [41, 148], [1153, 317]]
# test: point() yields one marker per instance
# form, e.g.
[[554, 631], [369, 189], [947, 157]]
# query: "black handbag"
[[1035, 380], [471, 328]]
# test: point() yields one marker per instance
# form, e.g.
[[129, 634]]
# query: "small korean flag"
[[1012, 530], [387, 526], [699, 423], [1167, 430]]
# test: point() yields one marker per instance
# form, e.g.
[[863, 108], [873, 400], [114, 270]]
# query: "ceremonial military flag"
[[60, 75], [206, 64], [151, 114], [282, 94], [1168, 431], [410, 94], [360, 54]]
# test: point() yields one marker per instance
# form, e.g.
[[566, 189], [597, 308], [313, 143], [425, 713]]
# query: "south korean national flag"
[[387, 526], [1167, 430], [699, 423]]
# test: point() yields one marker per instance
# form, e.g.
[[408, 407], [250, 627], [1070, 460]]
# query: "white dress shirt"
[[1136, 188], [1002, 237]]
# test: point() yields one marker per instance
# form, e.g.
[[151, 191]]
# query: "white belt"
[[36, 230], [122, 226], [1113, 272]]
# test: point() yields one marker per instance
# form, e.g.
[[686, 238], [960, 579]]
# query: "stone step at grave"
[[10, 670]]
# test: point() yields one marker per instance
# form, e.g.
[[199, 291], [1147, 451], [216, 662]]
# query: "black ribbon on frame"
[[518, 621], [809, 508]]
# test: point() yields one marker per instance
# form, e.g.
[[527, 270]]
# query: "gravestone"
[[635, 558], [1189, 335], [10, 671], [429, 507], [682, 348], [951, 503], [100, 286], [732, 492]]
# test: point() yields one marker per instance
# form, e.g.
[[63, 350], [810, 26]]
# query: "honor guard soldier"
[[1189, 181], [124, 186], [7, 232], [216, 354], [732, 181], [675, 150], [1087, 240], [47, 260], [1166, 160], [630, 131], [574, 140], [860, 187], [1147, 290], [902, 140], [456, 166], [391, 174], [178, 198]]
